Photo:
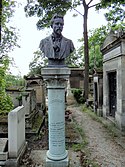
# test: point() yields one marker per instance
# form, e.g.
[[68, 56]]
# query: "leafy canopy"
[[8, 42], [45, 9], [9, 35]]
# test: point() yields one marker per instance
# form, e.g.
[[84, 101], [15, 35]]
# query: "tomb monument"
[[56, 48]]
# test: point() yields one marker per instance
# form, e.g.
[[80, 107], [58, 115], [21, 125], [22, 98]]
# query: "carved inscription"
[[56, 101], [57, 134]]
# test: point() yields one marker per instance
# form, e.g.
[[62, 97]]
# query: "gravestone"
[[16, 136], [98, 91], [56, 48]]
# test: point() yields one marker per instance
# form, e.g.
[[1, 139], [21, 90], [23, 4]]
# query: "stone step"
[[3, 152]]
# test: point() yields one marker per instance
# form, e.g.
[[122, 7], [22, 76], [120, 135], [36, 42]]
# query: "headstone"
[[16, 136]]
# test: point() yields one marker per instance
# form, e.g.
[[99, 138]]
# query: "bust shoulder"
[[46, 39], [66, 39]]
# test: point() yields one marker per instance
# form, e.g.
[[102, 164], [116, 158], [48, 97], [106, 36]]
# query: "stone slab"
[[3, 142], [14, 162], [3, 156]]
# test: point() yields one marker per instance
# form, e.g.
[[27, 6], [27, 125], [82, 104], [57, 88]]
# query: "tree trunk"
[[86, 54]]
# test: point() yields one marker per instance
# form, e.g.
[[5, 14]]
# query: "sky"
[[30, 37]]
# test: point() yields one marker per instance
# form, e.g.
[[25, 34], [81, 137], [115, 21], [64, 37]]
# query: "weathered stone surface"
[[114, 61], [56, 84], [16, 131], [39, 157], [3, 144]]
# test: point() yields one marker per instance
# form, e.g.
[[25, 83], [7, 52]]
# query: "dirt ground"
[[102, 145], [102, 149]]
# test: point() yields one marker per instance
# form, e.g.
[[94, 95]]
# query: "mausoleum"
[[113, 50]]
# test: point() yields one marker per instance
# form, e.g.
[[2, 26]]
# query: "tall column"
[[56, 84]]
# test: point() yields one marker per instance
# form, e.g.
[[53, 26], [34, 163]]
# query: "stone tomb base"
[[14, 162], [39, 158]]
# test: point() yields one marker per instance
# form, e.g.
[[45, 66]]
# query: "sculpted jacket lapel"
[[49, 47], [63, 47]]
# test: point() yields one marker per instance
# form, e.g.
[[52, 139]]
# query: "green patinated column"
[[56, 79]]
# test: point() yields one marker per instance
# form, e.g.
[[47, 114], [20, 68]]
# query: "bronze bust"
[[56, 47]]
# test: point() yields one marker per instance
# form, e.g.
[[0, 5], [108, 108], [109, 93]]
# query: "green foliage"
[[96, 39], [5, 101], [38, 62], [115, 15], [98, 35], [115, 11], [95, 58], [6, 104], [45, 10], [9, 35], [107, 3], [74, 60], [12, 80], [78, 94]]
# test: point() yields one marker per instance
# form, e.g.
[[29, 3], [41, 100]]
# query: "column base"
[[57, 163], [57, 157]]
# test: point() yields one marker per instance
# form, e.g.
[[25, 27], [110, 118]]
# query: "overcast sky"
[[30, 37]]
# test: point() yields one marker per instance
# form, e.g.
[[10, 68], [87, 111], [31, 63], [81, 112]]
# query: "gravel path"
[[103, 148]]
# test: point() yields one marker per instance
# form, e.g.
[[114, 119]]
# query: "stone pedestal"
[[56, 83]]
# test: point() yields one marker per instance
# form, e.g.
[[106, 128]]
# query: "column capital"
[[48, 73], [55, 77]]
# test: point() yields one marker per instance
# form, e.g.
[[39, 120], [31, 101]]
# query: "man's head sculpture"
[[56, 47], [56, 16]]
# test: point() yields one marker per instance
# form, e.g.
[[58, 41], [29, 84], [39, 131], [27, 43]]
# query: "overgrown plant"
[[5, 101], [78, 95]]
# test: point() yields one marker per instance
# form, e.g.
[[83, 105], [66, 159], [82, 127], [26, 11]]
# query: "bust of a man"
[[56, 47]]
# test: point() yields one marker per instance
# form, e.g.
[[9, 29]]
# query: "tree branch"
[[89, 2], [78, 11], [94, 5], [84, 3]]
